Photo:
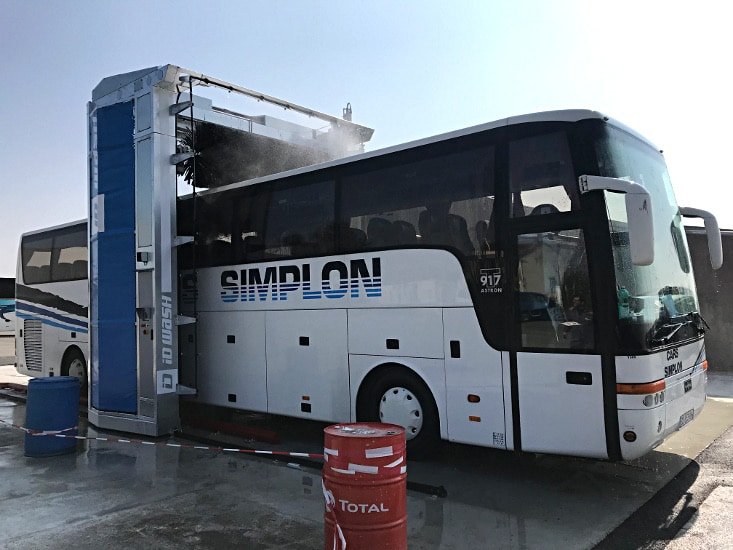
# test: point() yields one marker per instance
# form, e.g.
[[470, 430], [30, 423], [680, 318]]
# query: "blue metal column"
[[112, 257]]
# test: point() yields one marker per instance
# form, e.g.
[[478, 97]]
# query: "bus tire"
[[74, 364], [398, 396]]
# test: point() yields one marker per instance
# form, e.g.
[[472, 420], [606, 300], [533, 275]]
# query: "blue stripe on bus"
[[52, 323], [20, 306]]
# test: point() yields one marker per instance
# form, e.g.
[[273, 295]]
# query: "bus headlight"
[[653, 399]]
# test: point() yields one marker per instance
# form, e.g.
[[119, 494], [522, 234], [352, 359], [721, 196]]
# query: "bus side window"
[[433, 202], [36, 254], [301, 221], [249, 226], [79, 269], [554, 301], [69, 258], [214, 230], [353, 238], [541, 176]]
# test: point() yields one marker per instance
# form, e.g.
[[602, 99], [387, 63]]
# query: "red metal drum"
[[365, 486]]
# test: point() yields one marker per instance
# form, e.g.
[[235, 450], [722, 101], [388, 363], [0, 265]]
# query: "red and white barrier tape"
[[31, 431], [338, 534], [59, 433]]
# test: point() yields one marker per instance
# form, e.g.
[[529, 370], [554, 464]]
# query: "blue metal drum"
[[53, 404]]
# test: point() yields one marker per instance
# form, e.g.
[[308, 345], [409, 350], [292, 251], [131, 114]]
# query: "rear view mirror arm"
[[715, 244]]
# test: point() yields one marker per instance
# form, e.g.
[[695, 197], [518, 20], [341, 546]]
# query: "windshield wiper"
[[693, 318], [673, 328], [700, 323]]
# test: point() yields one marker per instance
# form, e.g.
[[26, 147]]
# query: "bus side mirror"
[[715, 244], [638, 213]]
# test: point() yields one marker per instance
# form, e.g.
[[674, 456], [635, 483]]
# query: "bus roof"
[[566, 115], [54, 228]]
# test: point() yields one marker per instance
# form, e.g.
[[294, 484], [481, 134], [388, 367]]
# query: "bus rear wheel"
[[75, 365], [400, 397]]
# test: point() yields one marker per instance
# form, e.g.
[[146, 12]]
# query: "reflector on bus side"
[[639, 389]]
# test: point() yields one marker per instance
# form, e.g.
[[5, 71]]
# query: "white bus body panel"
[[557, 416], [313, 373], [409, 308], [684, 396], [681, 401], [653, 425], [648, 368], [237, 369], [477, 371], [59, 330], [417, 332], [416, 278]]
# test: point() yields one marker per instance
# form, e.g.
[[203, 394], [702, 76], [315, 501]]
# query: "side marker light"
[[640, 389]]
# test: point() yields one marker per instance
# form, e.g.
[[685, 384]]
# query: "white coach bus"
[[52, 301], [524, 285]]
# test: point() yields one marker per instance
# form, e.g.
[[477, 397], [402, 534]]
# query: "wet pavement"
[[120, 495]]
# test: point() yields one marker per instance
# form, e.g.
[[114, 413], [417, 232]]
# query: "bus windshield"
[[657, 304]]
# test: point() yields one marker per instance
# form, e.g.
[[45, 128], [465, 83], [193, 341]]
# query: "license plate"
[[685, 418], [688, 385]]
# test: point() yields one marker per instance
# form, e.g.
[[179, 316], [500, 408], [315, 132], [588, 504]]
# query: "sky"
[[409, 69]]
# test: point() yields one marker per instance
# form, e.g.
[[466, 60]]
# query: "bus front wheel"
[[399, 397], [74, 364]]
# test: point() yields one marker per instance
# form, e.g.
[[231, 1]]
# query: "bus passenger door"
[[556, 374]]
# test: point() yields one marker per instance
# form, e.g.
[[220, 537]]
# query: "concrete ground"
[[691, 512], [712, 526], [7, 350], [8, 374], [121, 495]]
